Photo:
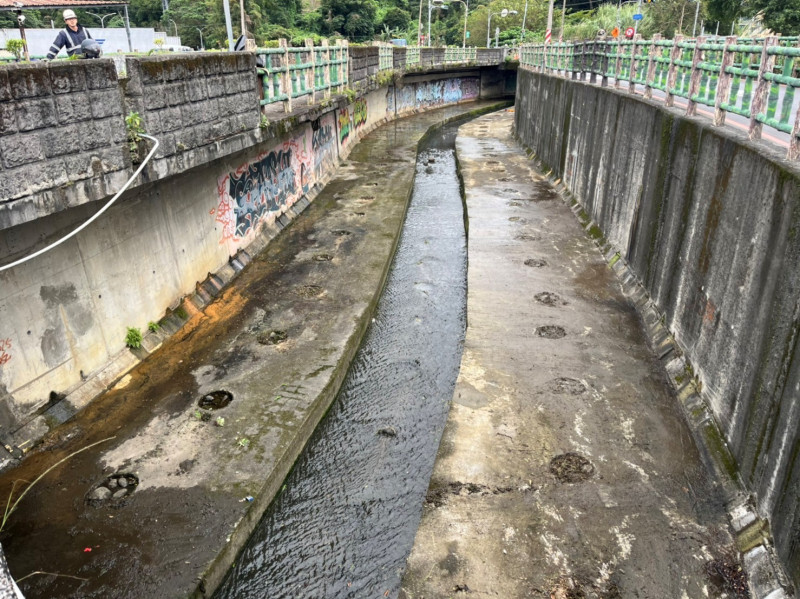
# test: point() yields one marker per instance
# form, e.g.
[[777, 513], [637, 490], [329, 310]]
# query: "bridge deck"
[[566, 468]]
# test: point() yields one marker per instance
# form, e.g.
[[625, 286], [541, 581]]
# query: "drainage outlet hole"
[[549, 299], [323, 258], [571, 468], [566, 386], [536, 262], [341, 233], [272, 338], [551, 331], [309, 291], [215, 400], [112, 489]]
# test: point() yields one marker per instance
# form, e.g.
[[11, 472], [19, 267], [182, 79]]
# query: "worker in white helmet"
[[71, 36]]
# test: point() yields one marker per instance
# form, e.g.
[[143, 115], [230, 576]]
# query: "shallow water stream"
[[345, 521]]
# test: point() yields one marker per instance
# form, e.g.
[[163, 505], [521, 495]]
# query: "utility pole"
[[128, 28], [164, 5], [563, 16], [696, 14], [548, 35], [226, 5]]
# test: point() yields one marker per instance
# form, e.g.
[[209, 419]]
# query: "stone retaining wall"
[[62, 136]]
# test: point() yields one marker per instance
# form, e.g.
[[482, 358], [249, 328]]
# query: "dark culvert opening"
[[215, 400]]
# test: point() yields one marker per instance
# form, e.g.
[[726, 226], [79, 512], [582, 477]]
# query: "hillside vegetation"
[[365, 20]]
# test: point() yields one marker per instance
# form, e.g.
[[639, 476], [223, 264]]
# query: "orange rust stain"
[[710, 312]]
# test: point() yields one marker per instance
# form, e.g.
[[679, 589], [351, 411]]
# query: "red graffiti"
[[5, 355]]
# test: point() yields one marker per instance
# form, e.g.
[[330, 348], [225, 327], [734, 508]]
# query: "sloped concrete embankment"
[[162, 507], [224, 180], [565, 469], [707, 223]]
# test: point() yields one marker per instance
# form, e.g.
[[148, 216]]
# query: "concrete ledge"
[[766, 575]]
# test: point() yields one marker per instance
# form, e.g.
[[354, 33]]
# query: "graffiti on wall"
[[261, 189], [359, 113], [5, 351], [322, 144], [351, 119], [426, 94], [344, 125]]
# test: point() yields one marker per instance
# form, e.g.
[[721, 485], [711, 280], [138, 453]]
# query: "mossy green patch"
[[752, 535], [718, 450]]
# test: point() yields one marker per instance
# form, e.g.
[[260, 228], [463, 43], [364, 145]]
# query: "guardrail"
[[289, 73], [753, 78]]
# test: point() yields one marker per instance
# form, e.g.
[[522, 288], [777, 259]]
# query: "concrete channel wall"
[[708, 222], [222, 184]]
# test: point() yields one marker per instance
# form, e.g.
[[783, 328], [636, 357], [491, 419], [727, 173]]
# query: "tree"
[[353, 18], [396, 18], [781, 16], [145, 13]]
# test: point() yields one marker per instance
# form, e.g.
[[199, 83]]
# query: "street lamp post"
[[466, 12], [176, 27], [696, 14], [430, 8], [200, 31], [503, 14], [102, 17]]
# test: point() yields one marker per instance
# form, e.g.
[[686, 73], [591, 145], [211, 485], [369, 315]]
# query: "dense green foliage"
[[365, 20]]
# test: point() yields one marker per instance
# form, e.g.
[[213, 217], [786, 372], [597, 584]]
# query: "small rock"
[[120, 493], [122, 481], [112, 483], [387, 431], [101, 494]]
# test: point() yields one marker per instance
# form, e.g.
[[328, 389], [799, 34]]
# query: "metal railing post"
[[694, 77], [634, 64], [651, 67], [286, 82], [326, 69], [672, 71], [762, 88], [725, 79], [308, 72]]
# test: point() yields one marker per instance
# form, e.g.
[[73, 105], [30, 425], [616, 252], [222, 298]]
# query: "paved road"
[[566, 468]]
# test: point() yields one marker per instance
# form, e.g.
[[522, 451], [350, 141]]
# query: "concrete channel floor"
[[566, 468], [200, 487]]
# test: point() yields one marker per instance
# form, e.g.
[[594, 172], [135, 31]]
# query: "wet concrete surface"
[[566, 468], [190, 512], [345, 521]]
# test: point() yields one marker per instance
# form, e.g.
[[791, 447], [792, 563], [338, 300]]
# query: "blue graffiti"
[[264, 186]]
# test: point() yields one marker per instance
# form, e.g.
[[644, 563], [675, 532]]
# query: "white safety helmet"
[[69, 14]]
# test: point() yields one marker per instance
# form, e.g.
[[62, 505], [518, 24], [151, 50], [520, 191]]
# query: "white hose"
[[95, 216]]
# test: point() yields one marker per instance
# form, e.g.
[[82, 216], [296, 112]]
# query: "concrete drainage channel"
[[347, 515]]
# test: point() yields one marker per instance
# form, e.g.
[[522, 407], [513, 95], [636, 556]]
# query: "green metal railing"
[[459, 55], [412, 55], [291, 73], [754, 78], [385, 57]]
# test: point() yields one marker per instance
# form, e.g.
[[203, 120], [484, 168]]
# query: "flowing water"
[[345, 521]]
